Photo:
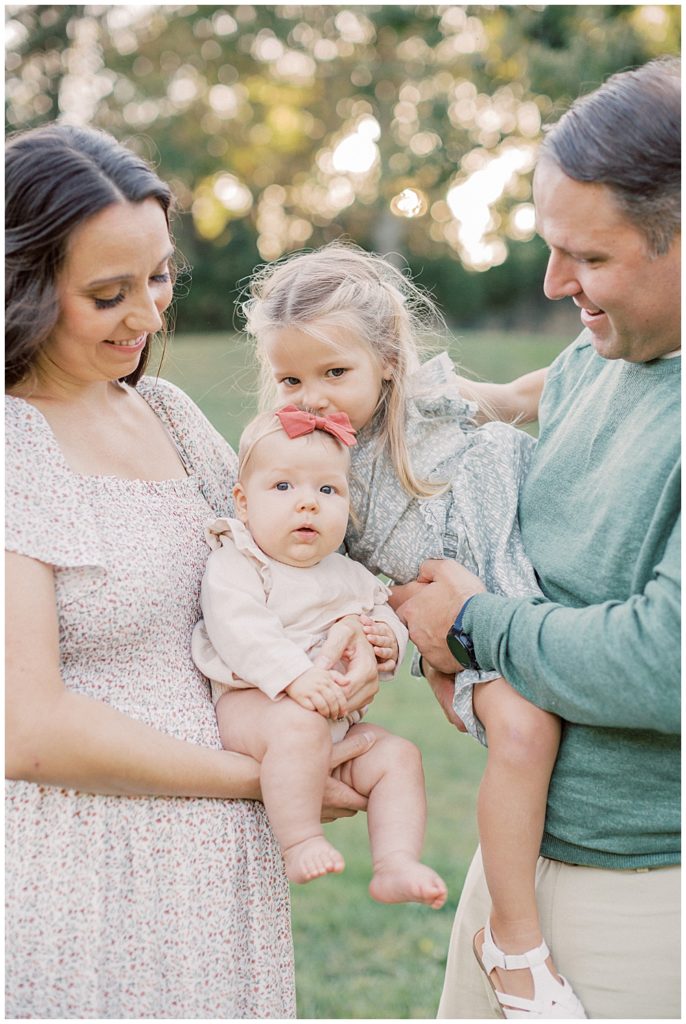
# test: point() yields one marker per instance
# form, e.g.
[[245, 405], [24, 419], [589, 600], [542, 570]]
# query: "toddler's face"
[[294, 498], [340, 375]]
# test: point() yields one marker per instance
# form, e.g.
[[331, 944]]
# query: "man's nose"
[[560, 278]]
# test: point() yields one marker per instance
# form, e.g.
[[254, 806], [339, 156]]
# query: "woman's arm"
[[513, 402], [61, 738]]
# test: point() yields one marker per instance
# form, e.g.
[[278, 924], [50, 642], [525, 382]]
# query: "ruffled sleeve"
[[204, 452], [46, 514]]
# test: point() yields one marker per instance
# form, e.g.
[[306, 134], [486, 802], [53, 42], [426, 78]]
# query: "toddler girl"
[[273, 587], [337, 329]]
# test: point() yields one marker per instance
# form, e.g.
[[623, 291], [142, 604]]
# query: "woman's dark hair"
[[56, 178], [627, 135]]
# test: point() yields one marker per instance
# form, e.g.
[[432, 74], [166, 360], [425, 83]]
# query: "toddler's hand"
[[317, 690], [383, 640]]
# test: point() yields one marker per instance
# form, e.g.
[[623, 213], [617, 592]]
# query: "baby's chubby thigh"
[[252, 723], [390, 756]]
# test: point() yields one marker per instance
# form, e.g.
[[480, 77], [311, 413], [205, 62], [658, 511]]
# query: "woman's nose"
[[146, 313]]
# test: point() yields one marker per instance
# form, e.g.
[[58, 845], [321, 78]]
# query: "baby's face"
[[294, 498], [336, 375]]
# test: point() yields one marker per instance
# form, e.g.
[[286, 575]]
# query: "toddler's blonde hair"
[[343, 286]]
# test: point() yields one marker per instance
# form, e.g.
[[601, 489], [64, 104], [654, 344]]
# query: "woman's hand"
[[346, 642], [341, 800]]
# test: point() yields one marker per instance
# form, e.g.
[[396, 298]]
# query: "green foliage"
[[243, 108]]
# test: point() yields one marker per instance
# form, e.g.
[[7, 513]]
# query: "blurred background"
[[411, 129]]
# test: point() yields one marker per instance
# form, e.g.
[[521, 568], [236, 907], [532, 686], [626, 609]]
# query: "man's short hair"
[[627, 135]]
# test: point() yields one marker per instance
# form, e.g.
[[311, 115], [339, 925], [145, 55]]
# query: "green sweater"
[[600, 515]]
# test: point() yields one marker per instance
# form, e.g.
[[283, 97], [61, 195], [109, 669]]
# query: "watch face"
[[459, 650]]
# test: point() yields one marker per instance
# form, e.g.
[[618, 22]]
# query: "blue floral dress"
[[474, 521]]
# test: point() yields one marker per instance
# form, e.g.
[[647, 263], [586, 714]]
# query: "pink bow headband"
[[297, 422]]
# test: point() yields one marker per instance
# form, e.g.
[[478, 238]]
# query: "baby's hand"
[[383, 640], [317, 690]]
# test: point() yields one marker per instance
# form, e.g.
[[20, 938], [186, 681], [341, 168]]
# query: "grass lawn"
[[355, 958]]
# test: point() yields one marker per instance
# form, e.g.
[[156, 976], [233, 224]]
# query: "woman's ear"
[[240, 502]]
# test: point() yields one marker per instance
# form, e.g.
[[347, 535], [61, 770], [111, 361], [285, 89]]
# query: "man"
[[599, 514]]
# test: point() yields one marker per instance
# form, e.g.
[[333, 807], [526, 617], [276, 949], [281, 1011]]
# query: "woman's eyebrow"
[[125, 277]]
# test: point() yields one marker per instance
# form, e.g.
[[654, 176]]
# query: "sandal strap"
[[495, 957]]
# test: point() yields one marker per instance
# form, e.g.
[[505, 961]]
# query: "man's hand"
[[433, 604], [347, 643], [341, 799]]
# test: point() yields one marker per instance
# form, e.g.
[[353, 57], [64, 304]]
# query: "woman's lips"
[[129, 345]]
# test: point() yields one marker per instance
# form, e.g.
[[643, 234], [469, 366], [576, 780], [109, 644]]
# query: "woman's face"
[[113, 289]]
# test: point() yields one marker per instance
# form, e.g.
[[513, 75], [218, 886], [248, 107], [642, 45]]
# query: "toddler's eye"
[[282, 485], [328, 489], [338, 371], [290, 382]]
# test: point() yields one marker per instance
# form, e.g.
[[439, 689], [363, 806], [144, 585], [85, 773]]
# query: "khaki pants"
[[615, 935]]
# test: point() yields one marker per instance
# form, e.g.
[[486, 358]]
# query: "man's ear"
[[240, 502]]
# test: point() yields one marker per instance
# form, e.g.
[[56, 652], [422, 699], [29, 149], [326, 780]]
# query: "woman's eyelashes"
[[101, 303], [109, 303]]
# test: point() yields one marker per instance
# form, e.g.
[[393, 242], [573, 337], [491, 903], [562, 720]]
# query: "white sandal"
[[552, 998]]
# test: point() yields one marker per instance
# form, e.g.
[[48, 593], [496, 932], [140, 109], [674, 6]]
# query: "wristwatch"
[[460, 643]]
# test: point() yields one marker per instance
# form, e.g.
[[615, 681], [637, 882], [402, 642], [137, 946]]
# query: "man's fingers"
[[403, 592], [428, 570]]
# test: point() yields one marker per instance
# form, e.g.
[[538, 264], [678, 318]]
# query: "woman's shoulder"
[[204, 451], [28, 437]]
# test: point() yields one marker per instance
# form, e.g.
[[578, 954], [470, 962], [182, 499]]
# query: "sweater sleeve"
[[553, 654]]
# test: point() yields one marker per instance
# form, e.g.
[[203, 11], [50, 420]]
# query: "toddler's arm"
[[516, 401], [317, 690]]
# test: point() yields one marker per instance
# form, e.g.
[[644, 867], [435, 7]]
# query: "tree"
[[412, 129]]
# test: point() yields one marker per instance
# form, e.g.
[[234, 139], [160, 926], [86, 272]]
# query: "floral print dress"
[[134, 907]]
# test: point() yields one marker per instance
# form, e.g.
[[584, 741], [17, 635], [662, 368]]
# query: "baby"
[[273, 587]]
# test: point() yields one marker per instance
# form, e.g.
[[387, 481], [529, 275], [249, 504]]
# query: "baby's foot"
[[405, 880], [310, 859]]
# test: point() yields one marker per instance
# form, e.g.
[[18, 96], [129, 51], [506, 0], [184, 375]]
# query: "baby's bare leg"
[[293, 746], [391, 775], [523, 742]]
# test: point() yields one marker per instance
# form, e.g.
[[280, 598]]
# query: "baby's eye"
[[338, 371], [109, 303], [328, 489], [282, 485]]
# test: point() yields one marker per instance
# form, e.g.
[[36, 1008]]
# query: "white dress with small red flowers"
[[134, 907]]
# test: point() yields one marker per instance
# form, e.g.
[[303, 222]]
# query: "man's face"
[[629, 300]]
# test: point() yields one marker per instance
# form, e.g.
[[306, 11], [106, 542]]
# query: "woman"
[[130, 893]]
